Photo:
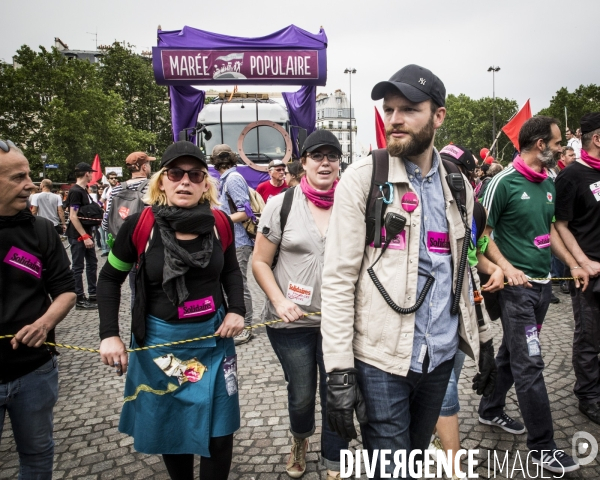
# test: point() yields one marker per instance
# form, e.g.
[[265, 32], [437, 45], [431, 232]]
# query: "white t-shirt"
[[575, 143], [47, 204]]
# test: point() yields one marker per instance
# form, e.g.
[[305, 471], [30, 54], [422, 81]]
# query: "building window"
[[340, 125], [340, 136], [348, 136], [338, 100], [339, 113], [330, 123]]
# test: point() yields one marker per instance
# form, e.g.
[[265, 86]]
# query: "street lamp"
[[44, 157], [350, 71], [494, 70]]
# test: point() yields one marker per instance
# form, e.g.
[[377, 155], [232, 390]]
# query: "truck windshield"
[[261, 144]]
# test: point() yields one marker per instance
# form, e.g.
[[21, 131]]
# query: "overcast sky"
[[540, 45]]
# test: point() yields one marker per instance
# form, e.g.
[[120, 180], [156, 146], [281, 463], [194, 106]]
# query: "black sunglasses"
[[318, 156], [175, 174], [6, 146]]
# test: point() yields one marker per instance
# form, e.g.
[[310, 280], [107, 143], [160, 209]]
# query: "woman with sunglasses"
[[293, 289], [179, 400], [293, 173]]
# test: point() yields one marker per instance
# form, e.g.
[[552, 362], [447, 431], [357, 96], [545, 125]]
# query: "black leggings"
[[181, 466]]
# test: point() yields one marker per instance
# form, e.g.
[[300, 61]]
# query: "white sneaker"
[[243, 337]]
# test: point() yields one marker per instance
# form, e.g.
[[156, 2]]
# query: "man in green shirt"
[[520, 201]]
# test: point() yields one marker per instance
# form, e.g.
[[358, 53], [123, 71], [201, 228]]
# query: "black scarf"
[[23, 216], [178, 261]]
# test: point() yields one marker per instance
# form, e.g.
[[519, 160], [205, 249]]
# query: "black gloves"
[[485, 381], [343, 397]]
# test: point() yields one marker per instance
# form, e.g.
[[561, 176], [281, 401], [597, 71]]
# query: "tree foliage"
[[469, 123], [72, 109], [584, 99]]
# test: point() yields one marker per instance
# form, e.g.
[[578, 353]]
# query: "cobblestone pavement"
[[88, 444]]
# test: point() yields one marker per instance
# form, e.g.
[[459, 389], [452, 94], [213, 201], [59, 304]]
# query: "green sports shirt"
[[521, 213]]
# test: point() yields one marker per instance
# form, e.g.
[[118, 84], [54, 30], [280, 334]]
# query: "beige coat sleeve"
[[343, 259]]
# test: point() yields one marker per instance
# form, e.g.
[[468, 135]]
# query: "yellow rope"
[[149, 347]]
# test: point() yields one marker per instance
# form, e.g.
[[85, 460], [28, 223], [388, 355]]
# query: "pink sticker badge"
[[410, 201], [438, 242], [397, 243], [195, 308], [24, 261], [543, 241]]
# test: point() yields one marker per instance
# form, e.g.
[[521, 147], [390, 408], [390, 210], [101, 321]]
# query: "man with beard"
[[400, 362], [520, 202], [578, 222]]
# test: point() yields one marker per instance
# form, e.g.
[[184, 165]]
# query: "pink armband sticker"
[[438, 242], [195, 308], [24, 261], [543, 241]]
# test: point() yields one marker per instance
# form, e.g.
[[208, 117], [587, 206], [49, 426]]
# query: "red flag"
[[514, 125], [97, 175], [380, 130]]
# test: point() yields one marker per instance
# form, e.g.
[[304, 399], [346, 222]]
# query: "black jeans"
[[520, 362], [586, 341], [80, 255]]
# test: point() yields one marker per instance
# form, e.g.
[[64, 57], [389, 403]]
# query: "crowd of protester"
[[379, 321]]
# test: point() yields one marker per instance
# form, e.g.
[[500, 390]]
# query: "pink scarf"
[[528, 172], [320, 198], [591, 161]]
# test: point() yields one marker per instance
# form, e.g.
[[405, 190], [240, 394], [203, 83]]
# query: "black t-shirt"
[[578, 202], [31, 271], [76, 199], [205, 285]]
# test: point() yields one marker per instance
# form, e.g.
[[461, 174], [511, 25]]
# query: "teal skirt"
[[178, 397]]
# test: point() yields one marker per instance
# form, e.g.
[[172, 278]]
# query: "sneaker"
[[243, 337], [555, 461], [104, 254], [92, 299], [554, 299], [591, 410], [434, 447], [564, 288], [84, 304], [296, 465], [506, 423]]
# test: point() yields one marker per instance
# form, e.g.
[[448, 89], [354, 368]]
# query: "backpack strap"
[[453, 168], [42, 236], [286, 206], [142, 230], [375, 207], [223, 228]]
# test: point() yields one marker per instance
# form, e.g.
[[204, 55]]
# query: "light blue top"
[[435, 327], [234, 185]]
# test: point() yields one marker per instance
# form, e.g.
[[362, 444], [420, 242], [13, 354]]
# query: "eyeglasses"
[[6, 146], [175, 174], [318, 157], [279, 170]]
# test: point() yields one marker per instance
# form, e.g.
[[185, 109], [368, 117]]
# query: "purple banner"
[[215, 66]]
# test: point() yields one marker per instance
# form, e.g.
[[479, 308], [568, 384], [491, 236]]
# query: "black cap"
[[459, 155], [415, 83], [321, 138], [182, 149], [83, 167], [590, 122]]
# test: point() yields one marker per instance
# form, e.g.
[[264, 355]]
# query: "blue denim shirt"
[[436, 329], [237, 188]]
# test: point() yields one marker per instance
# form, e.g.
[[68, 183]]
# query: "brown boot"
[[296, 465]]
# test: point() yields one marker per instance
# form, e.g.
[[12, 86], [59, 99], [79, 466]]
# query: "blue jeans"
[[402, 411], [80, 256], [520, 362], [451, 405], [29, 401], [103, 238], [300, 353]]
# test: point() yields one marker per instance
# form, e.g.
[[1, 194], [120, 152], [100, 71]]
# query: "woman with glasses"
[[293, 173], [293, 289], [179, 400]]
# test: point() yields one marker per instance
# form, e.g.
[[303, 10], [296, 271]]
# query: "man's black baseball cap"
[[182, 149], [459, 155], [320, 138], [84, 167], [415, 83]]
